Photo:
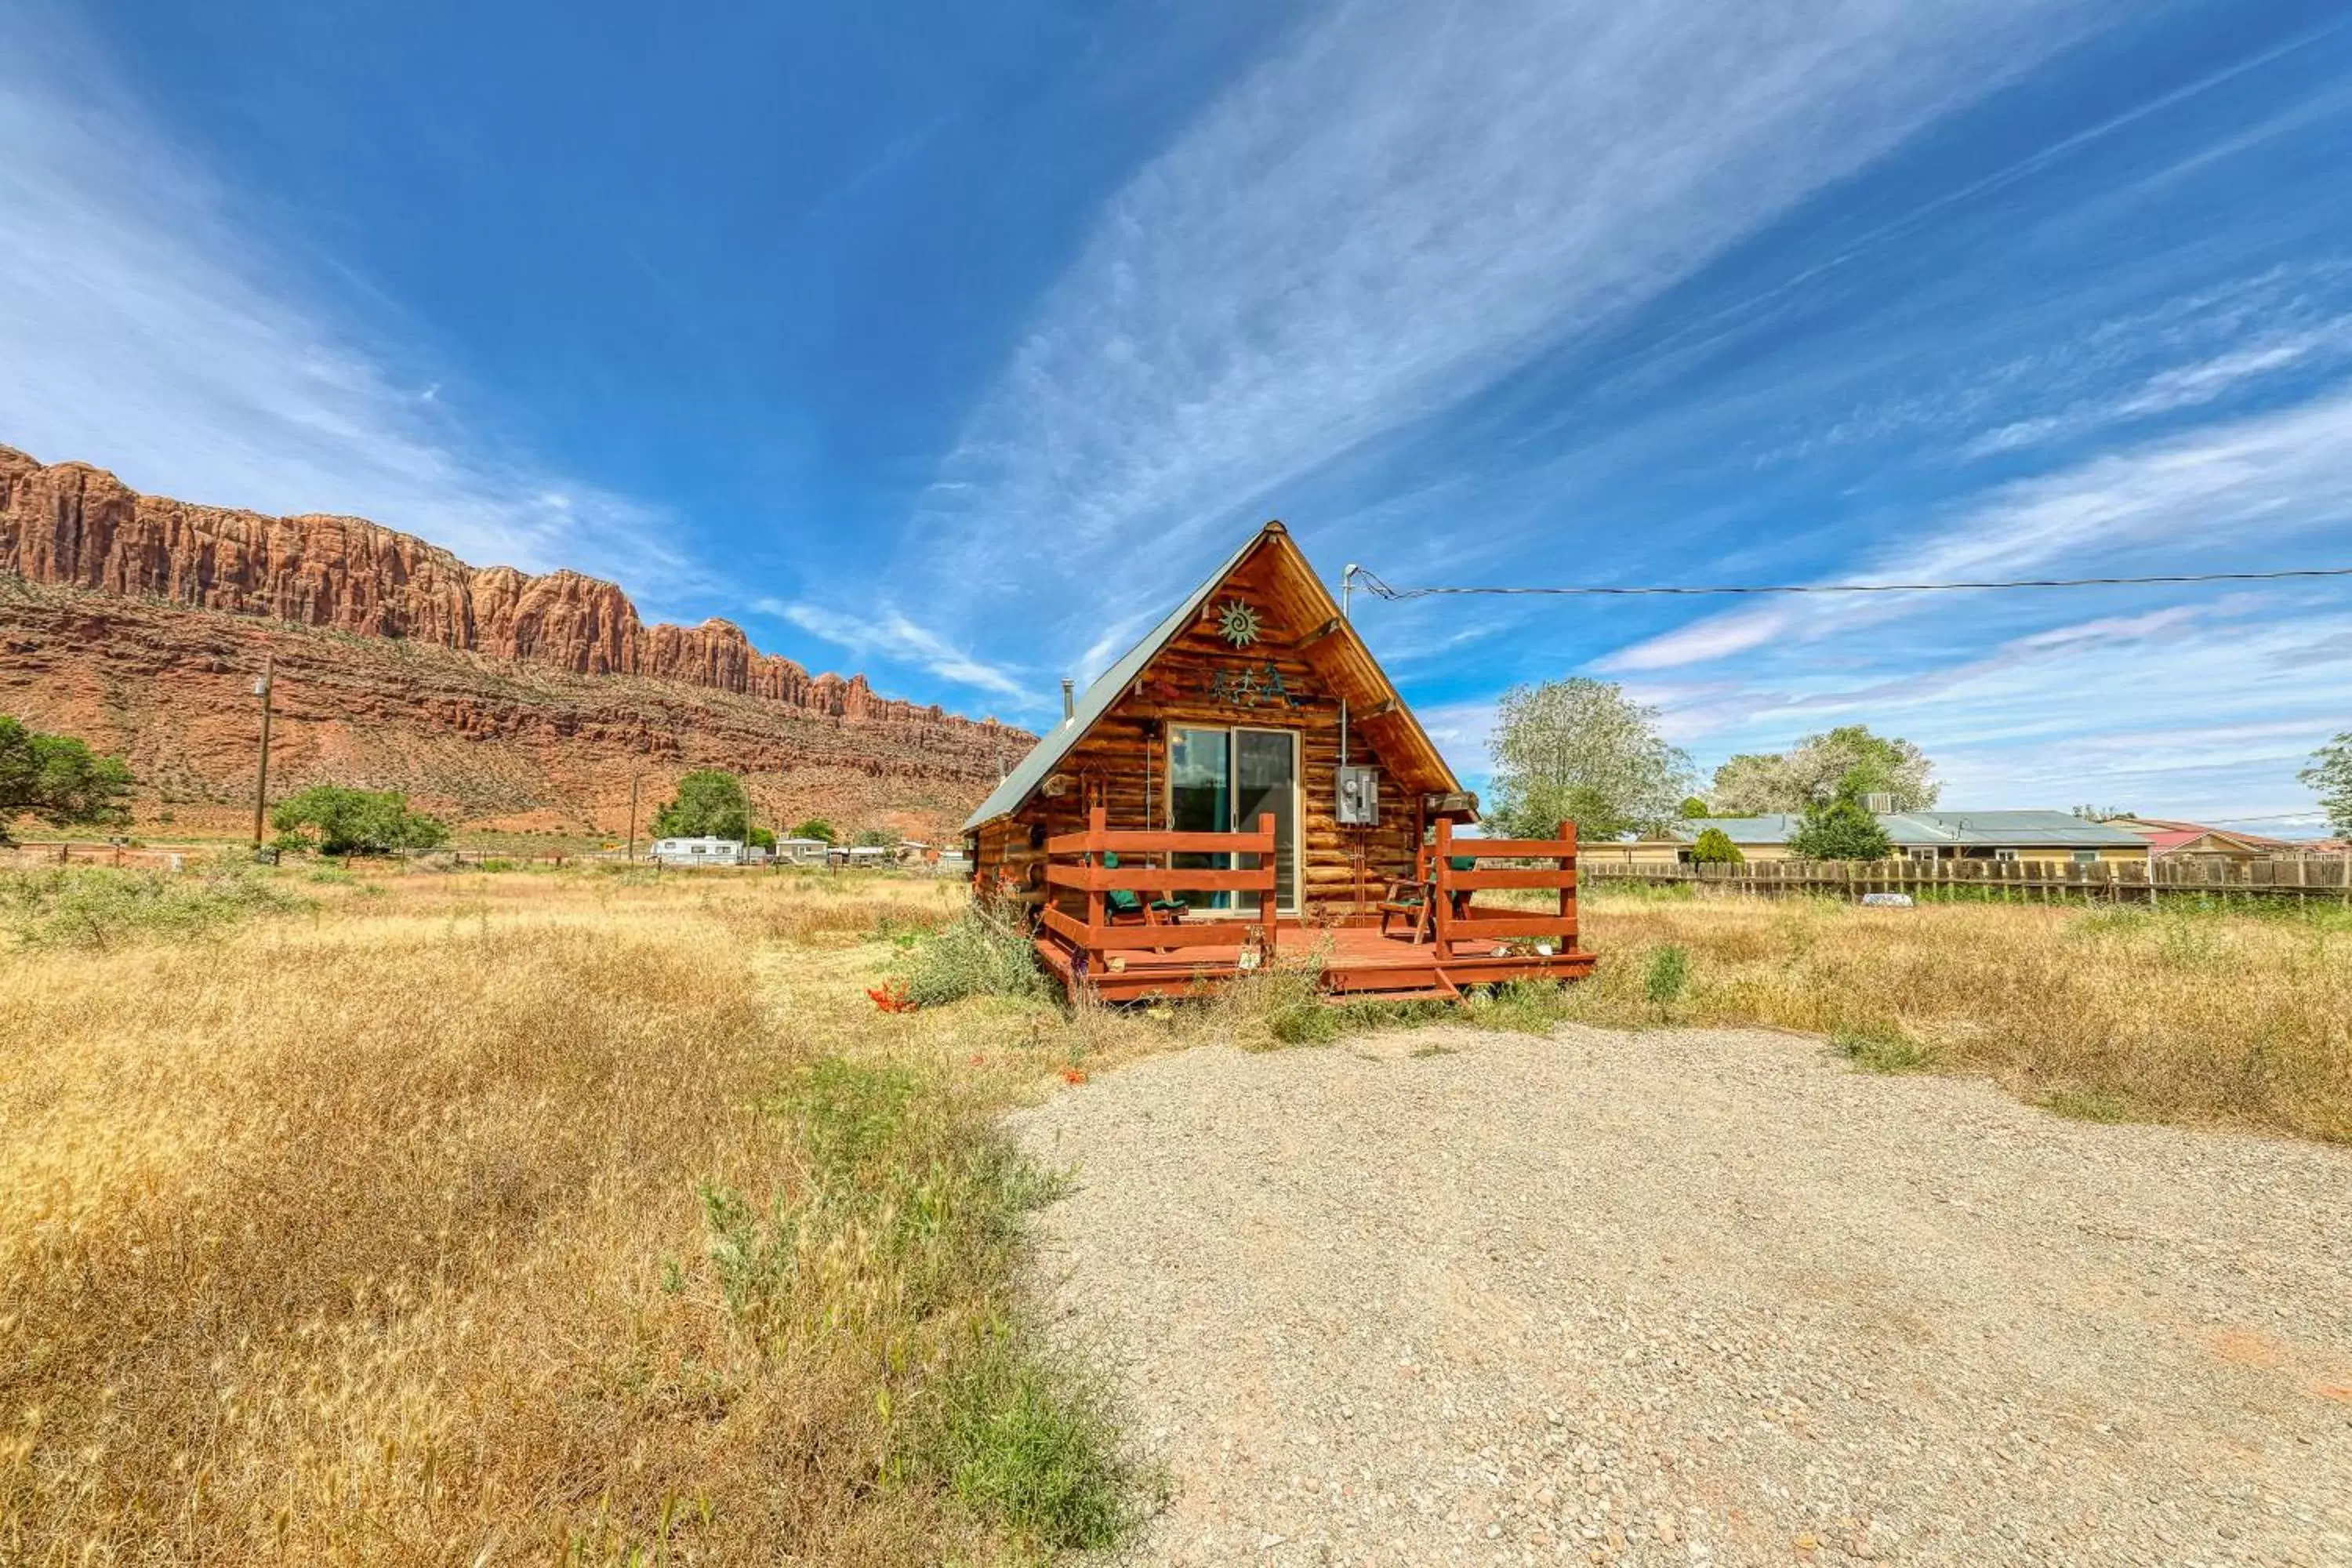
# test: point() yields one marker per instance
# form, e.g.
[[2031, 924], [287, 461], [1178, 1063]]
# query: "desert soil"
[[1696, 1296]]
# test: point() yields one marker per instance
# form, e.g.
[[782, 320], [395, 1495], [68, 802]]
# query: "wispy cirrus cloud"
[[152, 323], [2180, 710], [2203, 497], [1402, 207], [2091, 363], [891, 634], [2182, 716], [2303, 658], [2193, 384]]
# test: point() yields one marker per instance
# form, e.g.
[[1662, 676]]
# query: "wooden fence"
[[179, 857], [24, 853], [153, 858], [2280, 876]]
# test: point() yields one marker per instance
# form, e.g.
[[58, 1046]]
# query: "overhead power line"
[[1372, 584]]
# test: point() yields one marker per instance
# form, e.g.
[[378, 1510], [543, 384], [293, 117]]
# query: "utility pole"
[[261, 773], [632, 819]]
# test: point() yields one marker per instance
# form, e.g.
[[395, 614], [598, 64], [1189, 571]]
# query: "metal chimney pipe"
[[1069, 700]]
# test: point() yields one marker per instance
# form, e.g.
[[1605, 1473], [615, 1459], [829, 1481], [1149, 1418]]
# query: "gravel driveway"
[[1697, 1297]]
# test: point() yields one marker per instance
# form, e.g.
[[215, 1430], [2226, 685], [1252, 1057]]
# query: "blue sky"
[[953, 343]]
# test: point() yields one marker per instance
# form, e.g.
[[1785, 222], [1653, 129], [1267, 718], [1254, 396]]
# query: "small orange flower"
[[1073, 1075]]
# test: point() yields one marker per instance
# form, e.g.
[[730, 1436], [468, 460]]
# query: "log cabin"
[[1246, 786]]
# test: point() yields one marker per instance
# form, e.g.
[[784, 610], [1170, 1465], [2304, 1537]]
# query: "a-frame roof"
[[1338, 655]]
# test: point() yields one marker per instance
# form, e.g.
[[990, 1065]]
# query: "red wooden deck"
[[1453, 945]]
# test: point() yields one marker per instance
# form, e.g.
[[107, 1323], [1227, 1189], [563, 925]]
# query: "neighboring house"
[[698, 852], [1916, 835], [800, 851], [2168, 839], [860, 855]]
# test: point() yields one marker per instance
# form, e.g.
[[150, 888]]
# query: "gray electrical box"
[[1360, 798]]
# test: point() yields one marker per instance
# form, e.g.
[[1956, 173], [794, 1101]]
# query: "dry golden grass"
[[524, 1217], [2241, 1016], [379, 1234]]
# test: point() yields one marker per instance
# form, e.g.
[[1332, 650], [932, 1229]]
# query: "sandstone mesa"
[[72, 525], [143, 651]]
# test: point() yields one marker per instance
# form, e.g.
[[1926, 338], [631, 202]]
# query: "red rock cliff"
[[76, 526]]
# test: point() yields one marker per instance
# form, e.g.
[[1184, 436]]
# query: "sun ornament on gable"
[[1237, 623]]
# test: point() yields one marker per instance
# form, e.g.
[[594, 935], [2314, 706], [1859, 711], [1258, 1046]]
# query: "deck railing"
[[1090, 876], [1476, 926]]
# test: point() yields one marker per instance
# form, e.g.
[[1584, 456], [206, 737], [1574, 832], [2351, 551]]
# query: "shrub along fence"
[[176, 856], [20, 853], [2278, 876]]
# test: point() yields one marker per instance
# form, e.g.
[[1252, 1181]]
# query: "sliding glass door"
[[1201, 800], [1265, 779], [1221, 781]]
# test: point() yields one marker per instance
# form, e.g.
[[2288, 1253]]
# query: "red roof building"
[[2169, 837]]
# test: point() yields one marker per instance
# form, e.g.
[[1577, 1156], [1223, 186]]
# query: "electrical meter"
[[1360, 798]]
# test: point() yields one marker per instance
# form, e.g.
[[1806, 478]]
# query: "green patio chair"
[[1406, 899], [1123, 903], [1462, 899]]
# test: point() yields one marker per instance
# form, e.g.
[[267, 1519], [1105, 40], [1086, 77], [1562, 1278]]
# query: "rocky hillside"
[[506, 700]]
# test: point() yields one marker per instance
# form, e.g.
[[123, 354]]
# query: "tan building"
[[2040, 836]]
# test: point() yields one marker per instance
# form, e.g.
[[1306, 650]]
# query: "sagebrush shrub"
[[1667, 976], [100, 907], [980, 952]]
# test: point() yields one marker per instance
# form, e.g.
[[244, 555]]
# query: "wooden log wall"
[[1123, 763]]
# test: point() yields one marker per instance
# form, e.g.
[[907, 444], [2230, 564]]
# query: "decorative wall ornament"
[[1251, 686], [1238, 623]]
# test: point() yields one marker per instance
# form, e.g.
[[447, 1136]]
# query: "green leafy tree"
[[818, 829], [874, 838], [1714, 847], [1749, 783], [709, 804], [1846, 761], [2330, 778], [340, 821], [1840, 830], [60, 780], [1692, 807], [762, 838], [1581, 750]]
